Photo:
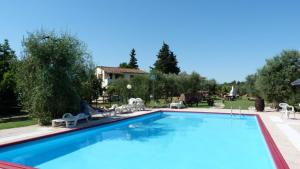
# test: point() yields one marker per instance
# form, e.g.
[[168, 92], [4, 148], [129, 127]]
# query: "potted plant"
[[259, 104], [210, 102]]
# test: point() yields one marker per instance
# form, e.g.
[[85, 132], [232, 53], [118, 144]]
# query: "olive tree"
[[52, 74], [274, 80], [250, 85]]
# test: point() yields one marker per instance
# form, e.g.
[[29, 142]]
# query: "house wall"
[[105, 77]]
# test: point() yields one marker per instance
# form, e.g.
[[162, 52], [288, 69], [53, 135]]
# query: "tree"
[[166, 61], [119, 87], [210, 86], [8, 94], [250, 85], [124, 65], [53, 72], [172, 64], [133, 61], [140, 87], [274, 79], [195, 83], [91, 89]]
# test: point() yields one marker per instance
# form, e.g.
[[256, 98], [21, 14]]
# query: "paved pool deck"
[[285, 132]]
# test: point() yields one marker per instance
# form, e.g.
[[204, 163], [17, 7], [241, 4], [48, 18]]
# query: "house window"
[[131, 76]]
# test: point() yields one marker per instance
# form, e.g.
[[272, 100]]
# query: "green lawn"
[[14, 122], [201, 105], [242, 103]]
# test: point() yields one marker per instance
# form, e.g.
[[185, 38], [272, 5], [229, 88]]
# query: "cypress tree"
[[172, 64], [8, 94], [162, 59], [133, 61], [166, 61]]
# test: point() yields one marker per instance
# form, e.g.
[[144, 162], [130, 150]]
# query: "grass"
[[242, 103], [157, 104], [201, 105], [18, 121]]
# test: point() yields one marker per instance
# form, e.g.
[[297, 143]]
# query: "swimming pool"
[[160, 140]]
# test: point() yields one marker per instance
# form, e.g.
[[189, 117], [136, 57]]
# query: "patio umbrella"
[[232, 92], [296, 82]]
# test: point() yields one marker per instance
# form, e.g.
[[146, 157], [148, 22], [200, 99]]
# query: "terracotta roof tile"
[[118, 70]]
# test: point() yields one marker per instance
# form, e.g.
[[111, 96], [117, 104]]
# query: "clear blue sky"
[[224, 39]]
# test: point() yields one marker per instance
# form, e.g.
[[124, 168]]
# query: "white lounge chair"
[[71, 121], [124, 109], [178, 105], [106, 112], [286, 110], [134, 104], [140, 104]]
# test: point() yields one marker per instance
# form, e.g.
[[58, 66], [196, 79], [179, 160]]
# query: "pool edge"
[[275, 152], [8, 165]]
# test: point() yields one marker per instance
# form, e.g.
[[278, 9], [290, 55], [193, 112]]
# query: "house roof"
[[118, 70]]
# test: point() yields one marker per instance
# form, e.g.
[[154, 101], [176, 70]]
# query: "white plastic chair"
[[286, 110], [177, 105]]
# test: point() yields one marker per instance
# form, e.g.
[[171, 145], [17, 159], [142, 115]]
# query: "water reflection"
[[38, 152]]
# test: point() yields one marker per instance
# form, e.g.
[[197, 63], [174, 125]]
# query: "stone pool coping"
[[277, 156]]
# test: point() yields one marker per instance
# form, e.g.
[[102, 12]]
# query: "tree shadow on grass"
[[14, 119]]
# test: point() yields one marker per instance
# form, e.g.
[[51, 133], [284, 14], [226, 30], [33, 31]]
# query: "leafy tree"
[[8, 94], [133, 61], [166, 61], [119, 87], [54, 70], [195, 82], [124, 65], [140, 87], [165, 86], [274, 79], [250, 85], [91, 88], [210, 86]]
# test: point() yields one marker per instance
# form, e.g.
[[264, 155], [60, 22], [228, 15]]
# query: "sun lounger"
[[102, 111], [140, 104], [134, 104], [70, 120], [178, 105]]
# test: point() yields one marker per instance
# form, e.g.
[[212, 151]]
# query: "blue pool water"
[[156, 141]]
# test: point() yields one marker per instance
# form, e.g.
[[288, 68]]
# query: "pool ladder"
[[240, 111]]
